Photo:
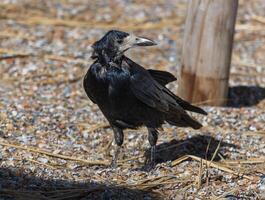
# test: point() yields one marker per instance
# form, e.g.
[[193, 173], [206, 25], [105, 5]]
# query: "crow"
[[130, 96]]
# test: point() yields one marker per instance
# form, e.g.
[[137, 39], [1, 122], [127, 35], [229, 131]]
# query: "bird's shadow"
[[200, 145], [244, 96], [15, 183]]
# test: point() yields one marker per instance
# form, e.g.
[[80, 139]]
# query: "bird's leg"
[[118, 136], [152, 138]]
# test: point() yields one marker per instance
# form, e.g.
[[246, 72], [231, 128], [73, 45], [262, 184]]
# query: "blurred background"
[[45, 53]]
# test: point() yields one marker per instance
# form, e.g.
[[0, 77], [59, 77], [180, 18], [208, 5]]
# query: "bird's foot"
[[151, 163], [149, 166], [113, 164]]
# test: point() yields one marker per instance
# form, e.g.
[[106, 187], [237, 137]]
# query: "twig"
[[40, 163]]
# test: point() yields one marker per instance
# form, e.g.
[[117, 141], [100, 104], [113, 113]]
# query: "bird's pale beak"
[[133, 41], [140, 41]]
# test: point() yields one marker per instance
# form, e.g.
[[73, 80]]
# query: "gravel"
[[43, 105]]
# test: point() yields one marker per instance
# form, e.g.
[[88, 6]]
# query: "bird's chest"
[[110, 86]]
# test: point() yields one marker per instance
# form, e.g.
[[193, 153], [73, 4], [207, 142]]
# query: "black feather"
[[162, 77], [130, 96]]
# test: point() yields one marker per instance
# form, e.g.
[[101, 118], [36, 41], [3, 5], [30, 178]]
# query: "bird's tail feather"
[[187, 106], [184, 121], [184, 104]]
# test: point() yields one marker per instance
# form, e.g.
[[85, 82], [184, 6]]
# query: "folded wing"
[[162, 77], [150, 92]]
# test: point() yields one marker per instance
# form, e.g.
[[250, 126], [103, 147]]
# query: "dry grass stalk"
[[199, 178], [13, 53], [59, 194], [40, 163], [179, 160], [226, 193], [35, 150], [240, 62], [106, 149], [229, 131], [250, 28], [18, 54], [71, 194], [149, 183], [24, 195], [98, 126], [216, 151], [257, 18], [250, 161], [219, 166], [65, 59], [251, 74], [210, 164], [131, 25], [207, 166], [8, 34]]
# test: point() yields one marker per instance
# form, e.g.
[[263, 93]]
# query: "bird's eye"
[[119, 41]]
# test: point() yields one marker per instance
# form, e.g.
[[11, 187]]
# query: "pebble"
[[43, 160]]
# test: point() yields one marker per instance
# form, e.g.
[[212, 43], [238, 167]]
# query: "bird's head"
[[114, 43]]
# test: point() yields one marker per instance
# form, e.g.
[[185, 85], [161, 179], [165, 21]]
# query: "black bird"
[[130, 96]]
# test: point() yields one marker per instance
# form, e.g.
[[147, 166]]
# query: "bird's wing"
[[149, 87], [89, 94], [162, 77], [150, 92], [186, 105], [88, 86]]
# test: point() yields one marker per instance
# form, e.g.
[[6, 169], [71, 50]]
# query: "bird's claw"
[[113, 164], [150, 162]]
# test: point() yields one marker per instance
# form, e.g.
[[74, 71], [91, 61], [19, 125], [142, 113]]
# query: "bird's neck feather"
[[110, 58]]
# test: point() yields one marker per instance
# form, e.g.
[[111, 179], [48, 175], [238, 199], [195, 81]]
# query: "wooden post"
[[207, 49]]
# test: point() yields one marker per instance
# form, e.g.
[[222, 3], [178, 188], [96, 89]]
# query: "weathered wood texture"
[[207, 49]]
